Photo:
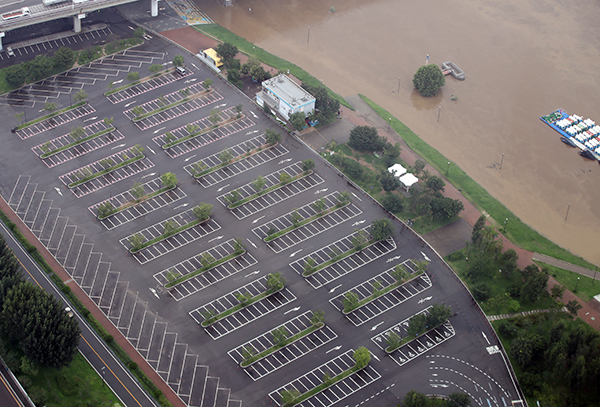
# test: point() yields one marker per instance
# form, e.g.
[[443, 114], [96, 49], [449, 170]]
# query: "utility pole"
[[308, 37], [439, 111], [501, 161]]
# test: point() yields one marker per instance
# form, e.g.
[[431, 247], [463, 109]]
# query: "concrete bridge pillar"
[[77, 22], [154, 8], [1, 35]]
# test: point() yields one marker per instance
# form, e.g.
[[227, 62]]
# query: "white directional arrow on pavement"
[[295, 253], [393, 258], [335, 288], [119, 81], [222, 188], [190, 157], [59, 191], [154, 292], [360, 222], [336, 348], [130, 103], [356, 196], [181, 206], [285, 161], [250, 241], [251, 274], [157, 130], [257, 219], [91, 118], [425, 257], [422, 300], [291, 310], [377, 326], [119, 146], [148, 147], [215, 238], [149, 175], [251, 132], [252, 113]]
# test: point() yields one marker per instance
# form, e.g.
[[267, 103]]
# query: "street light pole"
[[505, 222], [389, 122], [308, 38], [501, 161], [439, 111], [568, 208], [577, 285], [447, 169]]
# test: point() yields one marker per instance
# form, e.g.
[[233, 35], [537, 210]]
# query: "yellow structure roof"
[[213, 54]]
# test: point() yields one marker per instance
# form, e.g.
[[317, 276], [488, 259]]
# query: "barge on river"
[[576, 132]]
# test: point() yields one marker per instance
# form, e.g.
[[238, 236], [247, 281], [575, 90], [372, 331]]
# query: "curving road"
[[115, 374]]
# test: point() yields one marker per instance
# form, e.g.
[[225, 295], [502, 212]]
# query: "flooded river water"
[[522, 59]]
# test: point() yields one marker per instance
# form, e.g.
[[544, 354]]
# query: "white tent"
[[397, 170], [408, 180]]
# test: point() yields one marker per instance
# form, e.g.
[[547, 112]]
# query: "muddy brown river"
[[522, 59]]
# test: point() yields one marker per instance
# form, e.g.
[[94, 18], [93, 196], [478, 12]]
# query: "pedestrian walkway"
[[524, 313], [564, 265]]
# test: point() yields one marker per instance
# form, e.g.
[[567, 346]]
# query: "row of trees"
[[32, 320], [235, 69], [39, 68]]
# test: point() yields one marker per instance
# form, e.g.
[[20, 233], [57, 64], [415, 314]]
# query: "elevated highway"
[[39, 13]]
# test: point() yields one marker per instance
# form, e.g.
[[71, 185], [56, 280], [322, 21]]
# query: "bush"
[[481, 291], [507, 329], [352, 168], [393, 203]]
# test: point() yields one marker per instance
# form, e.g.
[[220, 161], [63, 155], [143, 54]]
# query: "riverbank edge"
[[519, 233]]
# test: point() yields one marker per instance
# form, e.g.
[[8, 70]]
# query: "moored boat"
[[455, 71]]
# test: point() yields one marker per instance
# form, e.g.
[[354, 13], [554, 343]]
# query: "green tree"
[[137, 191], [36, 322], [206, 260], [428, 80], [248, 352], [226, 51], [573, 306], [522, 351], [155, 68], [169, 228], [392, 340], [50, 106], [309, 265], [400, 273], [359, 240], [288, 397], [259, 74], [457, 399], [19, 116], [435, 183], [203, 211], [137, 111], [352, 168], [172, 275], [215, 116], [534, 286], [319, 206], [225, 156], [238, 247], [280, 336], [40, 68], [418, 166], [77, 133], [393, 203], [381, 229], [298, 120], [318, 317], [445, 208], [244, 299], [415, 399], [64, 57], [133, 76], [438, 314], [108, 122], [275, 282], [139, 32], [272, 137], [343, 198], [207, 83], [105, 209], [178, 60], [168, 179], [362, 357], [416, 325], [326, 107], [308, 165], [233, 197], [350, 301], [557, 291], [15, 75], [80, 96], [259, 183], [388, 181], [251, 63], [366, 138], [284, 177], [233, 75]]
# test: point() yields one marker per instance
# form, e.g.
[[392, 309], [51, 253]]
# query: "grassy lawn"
[[586, 288], [69, 385], [500, 286], [247, 47], [517, 231]]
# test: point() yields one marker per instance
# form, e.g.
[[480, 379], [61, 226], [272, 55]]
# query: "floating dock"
[[450, 68], [576, 132]]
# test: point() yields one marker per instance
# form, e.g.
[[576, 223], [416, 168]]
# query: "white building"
[[284, 96]]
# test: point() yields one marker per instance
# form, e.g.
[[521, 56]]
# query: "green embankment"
[[517, 231], [223, 34]]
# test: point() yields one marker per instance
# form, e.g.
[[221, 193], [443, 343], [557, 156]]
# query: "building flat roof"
[[288, 90]]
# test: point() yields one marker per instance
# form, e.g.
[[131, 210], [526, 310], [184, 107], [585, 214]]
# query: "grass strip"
[[270, 189], [247, 154], [146, 79], [223, 34], [170, 105], [304, 222], [133, 203], [148, 385], [208, 322], [200, 132], [203, 269], [407, 339], [51, 115], [517, 231], [323, 386], [276, 347], [173, 233], [379, 293], [78, 142], [337, 258], [106, 171]]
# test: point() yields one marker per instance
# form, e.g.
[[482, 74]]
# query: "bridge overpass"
[[39, 13]]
